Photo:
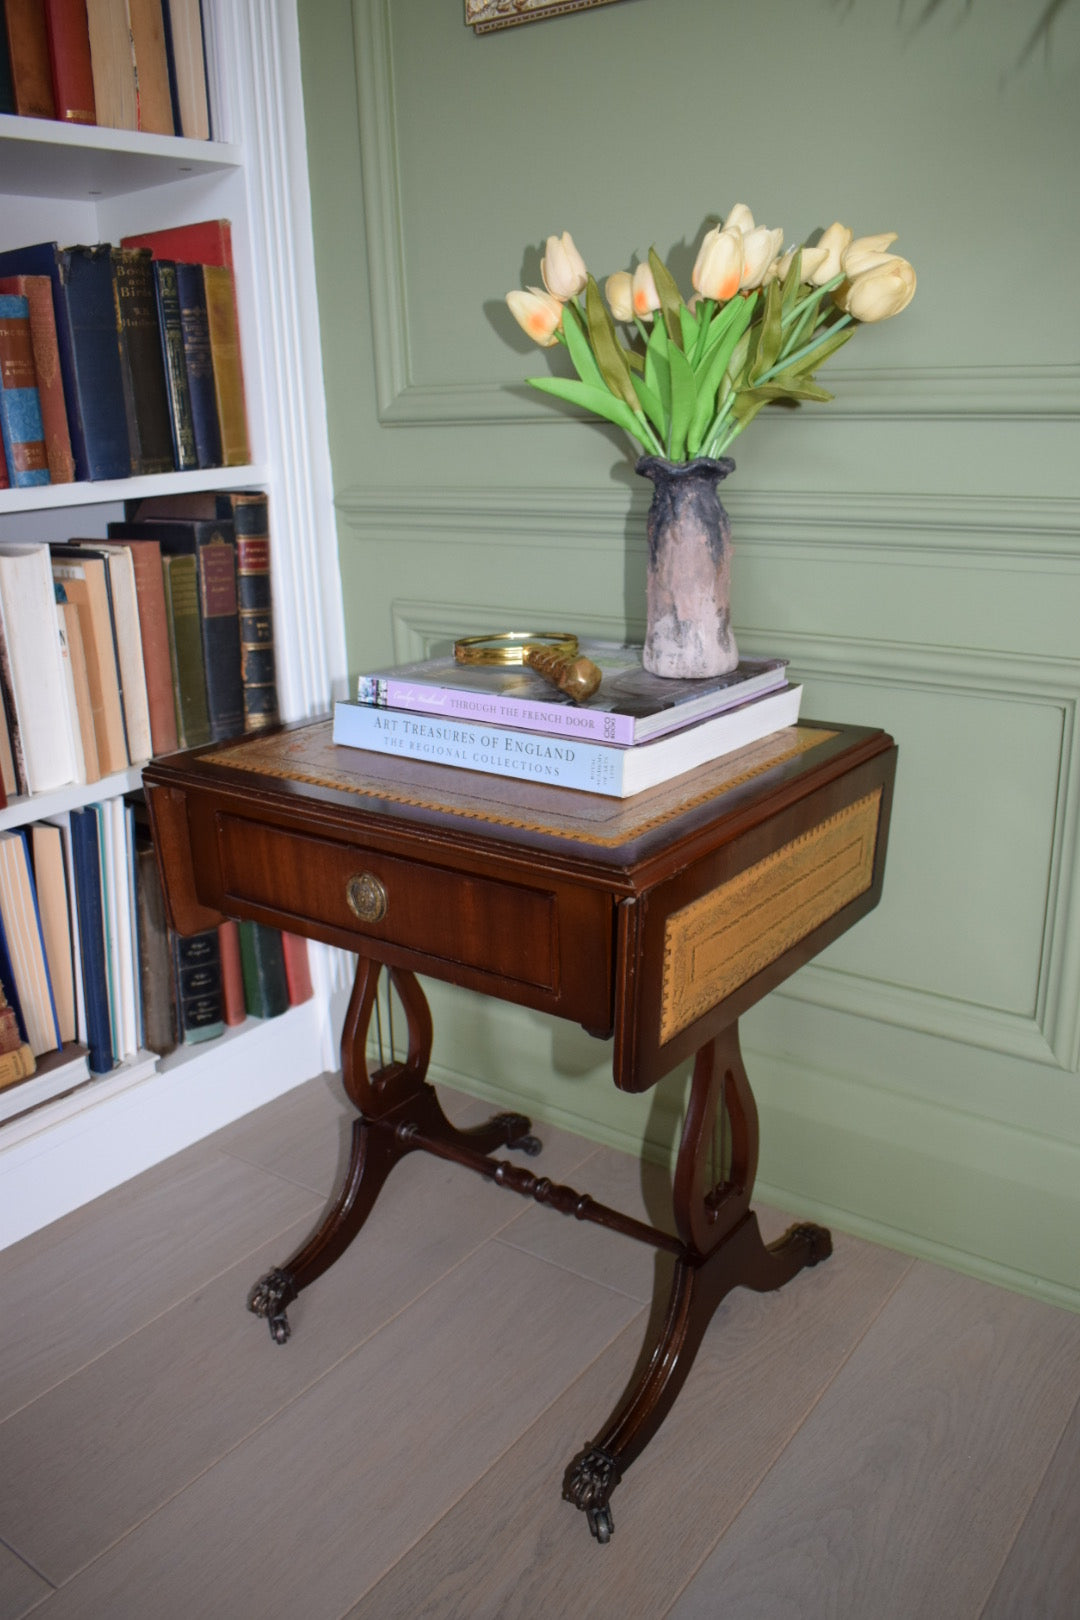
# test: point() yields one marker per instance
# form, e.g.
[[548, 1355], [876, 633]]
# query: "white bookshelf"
[[77, 184]]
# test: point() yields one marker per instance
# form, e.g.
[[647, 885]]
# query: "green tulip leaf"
[[610, 356], [596, 400], [658, 371], [711, 375], [683, 402], [736, 312], [651, 405], [669, 295], [769, 334], [789, 290], [577, 345]]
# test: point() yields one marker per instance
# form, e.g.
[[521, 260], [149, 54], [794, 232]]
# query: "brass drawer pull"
[[367, 897]]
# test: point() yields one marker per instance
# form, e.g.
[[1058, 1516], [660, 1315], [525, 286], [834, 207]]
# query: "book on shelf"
[[250, 514], [262, 959], [7, 89], [84, 574], [234, 1006], [198, 363], [37, 290], [631, 705], [297, 968], [31, 631], [197, 966], [154, 637], [142, 365], [119, 938], [156, 988], [560, 761], [153, 96], [212, 545], [186, 51], [24, 943], [68, 33], [76, 688], [28, 56], [178, 390], [112, 63], [51, 884], [125, 611], [181, 586], [20, 404], [9, 782], [13, 758]]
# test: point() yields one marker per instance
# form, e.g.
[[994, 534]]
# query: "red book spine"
[[232, 973], [154, 634], [37, 290], [28, 49], [297, 968], [69, 57], [208, 241]]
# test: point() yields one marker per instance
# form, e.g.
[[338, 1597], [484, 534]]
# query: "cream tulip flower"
[[812, 259], [740, 219], [562, 268], [855, 263], [760, 249], [878, 293], [538, 313], [619, 294], [718, 268], [834, 241], [645, 297]]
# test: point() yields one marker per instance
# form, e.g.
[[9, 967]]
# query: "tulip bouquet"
[[759, 325]]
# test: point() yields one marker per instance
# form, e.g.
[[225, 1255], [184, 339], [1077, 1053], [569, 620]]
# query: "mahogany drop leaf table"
[[656, 920]]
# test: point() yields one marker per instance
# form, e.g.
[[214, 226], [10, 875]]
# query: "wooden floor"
[[880, 1439]]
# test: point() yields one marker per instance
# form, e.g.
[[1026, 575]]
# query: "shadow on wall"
[[1038, 41]]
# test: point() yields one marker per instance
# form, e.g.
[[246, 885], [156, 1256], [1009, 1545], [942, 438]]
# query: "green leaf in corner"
[[669, 295]]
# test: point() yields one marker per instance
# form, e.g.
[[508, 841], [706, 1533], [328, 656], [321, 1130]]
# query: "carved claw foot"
[[817, 1240], [269, 1298], [589, 1481], [519, 1133]]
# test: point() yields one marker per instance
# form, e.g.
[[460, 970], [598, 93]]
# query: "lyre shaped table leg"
[[393, 1103], [723, 1249]]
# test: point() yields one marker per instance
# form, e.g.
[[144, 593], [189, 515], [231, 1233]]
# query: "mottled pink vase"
[[688, 604]]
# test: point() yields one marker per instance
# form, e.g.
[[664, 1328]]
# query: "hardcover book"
[[557, 761], [212, 545], [37, 290], [153, 97], [69, 56], [224, 330], [160, 1031], [112, 63], [25, 942], [20, 406], [86, 852], [181, 585], [28, 54], [232, 972], [197, 968], [630, 706], [187, 68], [154, 634], [83, 571], [258, 670], [195, 333], [38, 682], [262, 957], [142, 366], [171, 332]]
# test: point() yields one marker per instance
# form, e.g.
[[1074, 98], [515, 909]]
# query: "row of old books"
[[159, 637], [127, 64], [121, 360], [92, 977], [634, 732]]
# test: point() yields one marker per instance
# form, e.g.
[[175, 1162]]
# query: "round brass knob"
[[367, 897]]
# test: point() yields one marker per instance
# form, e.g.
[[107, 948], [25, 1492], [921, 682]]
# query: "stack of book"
[[122, 360], [128, 64], [636, 731], [159, 637]]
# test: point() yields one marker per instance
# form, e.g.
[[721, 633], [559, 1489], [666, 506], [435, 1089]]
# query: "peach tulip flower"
[[618, 290], [538, 313], [645, 297], [718, 268], [562, 268], [880, 292], [760, 249], [835, 240]]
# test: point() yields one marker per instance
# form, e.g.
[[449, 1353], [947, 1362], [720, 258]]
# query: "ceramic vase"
[[688, 596]]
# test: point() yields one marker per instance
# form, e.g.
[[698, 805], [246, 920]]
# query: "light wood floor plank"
[[86, 1282], [315, 1507], [1042, 1572], [100, 1451], [512, 1549], [20, 1587], [899, 1496]]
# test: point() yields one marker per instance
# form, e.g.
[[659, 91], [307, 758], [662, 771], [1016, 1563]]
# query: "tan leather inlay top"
[[719, 941], [308, 754]]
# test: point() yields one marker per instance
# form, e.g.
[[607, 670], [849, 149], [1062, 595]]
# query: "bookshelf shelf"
[[42, 157], [67, 183]]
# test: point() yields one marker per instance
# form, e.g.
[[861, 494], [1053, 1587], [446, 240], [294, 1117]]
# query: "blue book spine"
[[87, 285], [191, 292], [88, 900], [20, 405]]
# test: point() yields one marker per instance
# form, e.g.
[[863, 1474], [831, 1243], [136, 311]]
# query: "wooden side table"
[[658, 920]]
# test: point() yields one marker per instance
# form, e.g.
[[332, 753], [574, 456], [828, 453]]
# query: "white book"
[[39, 688], [558, 760]]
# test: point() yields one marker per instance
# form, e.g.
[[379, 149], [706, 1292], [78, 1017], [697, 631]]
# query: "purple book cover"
[[631, 705]]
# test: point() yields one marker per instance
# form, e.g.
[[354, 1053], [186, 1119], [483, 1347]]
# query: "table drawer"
[[499, 928]]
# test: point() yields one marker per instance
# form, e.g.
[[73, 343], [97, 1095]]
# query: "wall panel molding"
[[404, 399]]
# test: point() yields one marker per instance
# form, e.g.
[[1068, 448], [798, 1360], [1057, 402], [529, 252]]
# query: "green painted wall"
[[914, 547]]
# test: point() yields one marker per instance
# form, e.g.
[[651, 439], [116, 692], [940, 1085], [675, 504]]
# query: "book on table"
[[555, 760], [631, 705]]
